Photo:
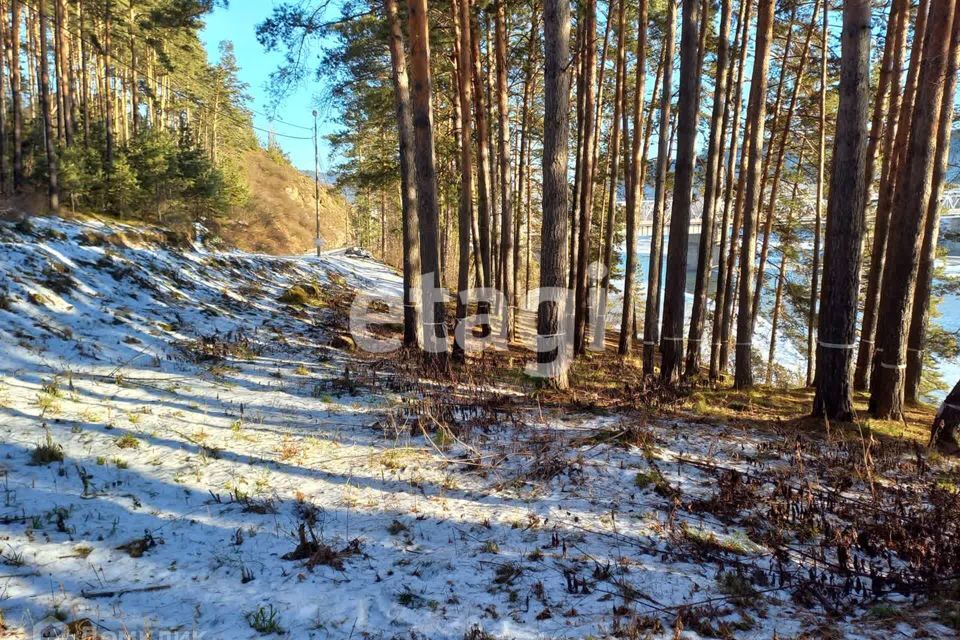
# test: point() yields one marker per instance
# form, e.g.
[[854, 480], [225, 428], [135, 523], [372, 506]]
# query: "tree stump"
[[943, 433]]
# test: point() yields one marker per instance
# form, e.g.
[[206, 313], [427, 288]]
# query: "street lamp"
[[316, 180]]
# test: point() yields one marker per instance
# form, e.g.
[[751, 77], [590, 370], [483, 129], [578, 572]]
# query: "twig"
[[120, 592]]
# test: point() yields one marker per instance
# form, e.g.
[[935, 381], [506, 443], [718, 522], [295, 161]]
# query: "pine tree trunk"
[[743, 373], [383, 226], [633, 170], [84, 79], [523, 170], [778, 167], [920, 318], [774, 113], [585, 210], [732, 275], [818, 206], [943, 431], [33, 66], [16, 96], [412, 330], [718, 340], [134, 88], [651, 318], [64, 74], [556, 19], [484, 178], [614, 149], [435, 331], [910, 203], [578, 158], [786, 238], [881, 106], [4, 170], [718, 120], [688, 106], [58, 73], [494, 188], [53, 186], [837, 330], [465, 217], [895, 141], [108, 90], [528, 248], [506, 171], [70, 49]]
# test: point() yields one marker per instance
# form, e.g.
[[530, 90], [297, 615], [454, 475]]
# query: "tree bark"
[[888, 75], [484, 179], [434, 328], [585, 209], [837, 330], [134, 83], [718, 120], [914, 184], [818, 206], [786, 238], [743, 374], [634, 172], [688, 106], [4, 170], [466, 222], [412, 329], [920, 318], [651, 318], [58, 75], [781, 155], [614, 150], [901, 110], [943, 431], [556, 19], [718, 339], [578, 157], [53, 186], [84, 79], [506, 172], [16, 96], [108, 115], [523, 170]]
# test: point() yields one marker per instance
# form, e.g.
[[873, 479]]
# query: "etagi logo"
[[51, 628], [370, 311]]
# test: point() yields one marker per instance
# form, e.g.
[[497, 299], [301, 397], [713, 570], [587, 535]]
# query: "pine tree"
[[911, 200], [687, 114], [412, 329], [556, 22], [756, 114], [845, 222], [434, 315]]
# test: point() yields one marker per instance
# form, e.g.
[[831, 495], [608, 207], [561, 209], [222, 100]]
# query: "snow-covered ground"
[[168, 427]]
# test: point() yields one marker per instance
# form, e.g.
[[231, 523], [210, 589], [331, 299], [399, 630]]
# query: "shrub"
[[46, 452]]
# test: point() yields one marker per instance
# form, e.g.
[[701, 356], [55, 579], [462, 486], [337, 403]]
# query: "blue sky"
[[237, 24]]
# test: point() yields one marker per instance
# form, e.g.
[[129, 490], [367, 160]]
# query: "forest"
[[545, 319], [794, 135]]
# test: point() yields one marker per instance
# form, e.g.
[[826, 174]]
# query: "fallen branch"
[[120, 592]]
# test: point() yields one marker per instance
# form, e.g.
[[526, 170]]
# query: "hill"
[[279, 216], [187, 424]]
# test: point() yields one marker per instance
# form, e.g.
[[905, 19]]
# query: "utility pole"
[[316, 180]]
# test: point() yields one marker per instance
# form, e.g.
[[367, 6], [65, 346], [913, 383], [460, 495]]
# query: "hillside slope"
[[183, 450], [280, 217]]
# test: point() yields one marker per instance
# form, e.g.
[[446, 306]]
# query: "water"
[[789, 354]]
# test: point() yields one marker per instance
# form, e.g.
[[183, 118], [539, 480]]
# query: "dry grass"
[[279, 217]]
